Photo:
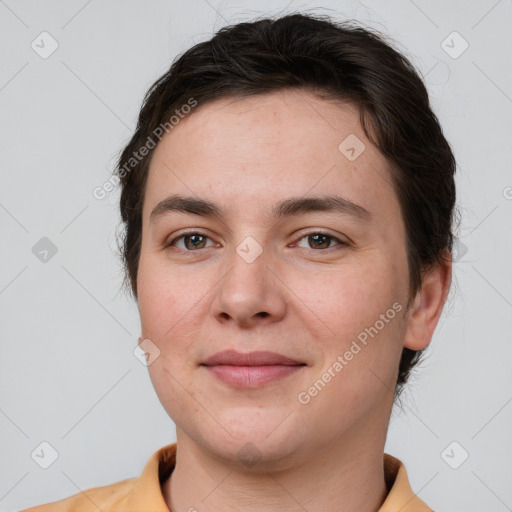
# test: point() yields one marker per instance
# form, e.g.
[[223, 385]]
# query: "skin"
[[247, 155]]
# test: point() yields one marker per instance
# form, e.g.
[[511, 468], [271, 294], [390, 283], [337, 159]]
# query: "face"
[[326, 288]]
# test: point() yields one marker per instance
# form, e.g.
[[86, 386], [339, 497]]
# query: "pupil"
[[196, 238], [315, 237]]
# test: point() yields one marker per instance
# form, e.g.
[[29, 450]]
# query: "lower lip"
[[251, 376]]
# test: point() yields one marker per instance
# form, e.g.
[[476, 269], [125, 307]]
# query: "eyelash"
[[306, 235]]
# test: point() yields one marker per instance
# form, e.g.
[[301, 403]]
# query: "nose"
[[251, 292]]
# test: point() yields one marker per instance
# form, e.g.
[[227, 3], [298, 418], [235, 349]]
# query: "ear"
[[428, 304]]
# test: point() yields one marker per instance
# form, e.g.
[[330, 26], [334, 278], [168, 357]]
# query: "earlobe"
[[428, 306]]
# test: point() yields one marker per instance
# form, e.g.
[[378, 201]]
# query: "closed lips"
[[260, 358]]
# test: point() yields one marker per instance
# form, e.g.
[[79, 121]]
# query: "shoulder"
[[400, 494], [108, 498], [138, 494]]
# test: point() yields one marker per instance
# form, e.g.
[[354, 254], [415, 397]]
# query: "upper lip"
[[260, 358]]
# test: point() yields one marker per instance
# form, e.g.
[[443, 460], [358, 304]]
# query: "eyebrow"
[[287, 207]]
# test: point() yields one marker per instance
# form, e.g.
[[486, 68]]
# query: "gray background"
[[68, 375]]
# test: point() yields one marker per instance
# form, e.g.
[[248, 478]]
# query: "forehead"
[[257, 150]]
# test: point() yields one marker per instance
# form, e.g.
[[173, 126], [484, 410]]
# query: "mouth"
[[252, 369], [260, 358]]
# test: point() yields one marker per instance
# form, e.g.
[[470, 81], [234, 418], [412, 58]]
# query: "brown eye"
[[192, 241], [319, 240]]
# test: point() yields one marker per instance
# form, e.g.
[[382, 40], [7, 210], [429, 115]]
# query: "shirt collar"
[[146, 493]]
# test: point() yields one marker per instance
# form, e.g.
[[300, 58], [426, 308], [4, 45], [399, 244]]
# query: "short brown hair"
[[339, 60]]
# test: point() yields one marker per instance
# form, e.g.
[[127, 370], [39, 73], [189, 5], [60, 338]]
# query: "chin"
[[254, 423], [255, 454], [257, 445]]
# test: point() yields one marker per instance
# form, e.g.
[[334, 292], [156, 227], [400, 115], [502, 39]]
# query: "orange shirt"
[[144, 493]]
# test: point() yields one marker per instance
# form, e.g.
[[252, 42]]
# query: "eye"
[[195, 240], [321, 240], [192, 241]]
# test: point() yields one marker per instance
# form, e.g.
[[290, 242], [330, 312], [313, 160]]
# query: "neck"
[[346, 475]]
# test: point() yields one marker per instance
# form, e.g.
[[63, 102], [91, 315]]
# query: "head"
[[296, 107]]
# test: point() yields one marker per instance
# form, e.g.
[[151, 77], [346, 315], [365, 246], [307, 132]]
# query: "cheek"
[[362, 347], [350, 298], [164, 296], [360, 309], [172, 316], [167, 320]]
